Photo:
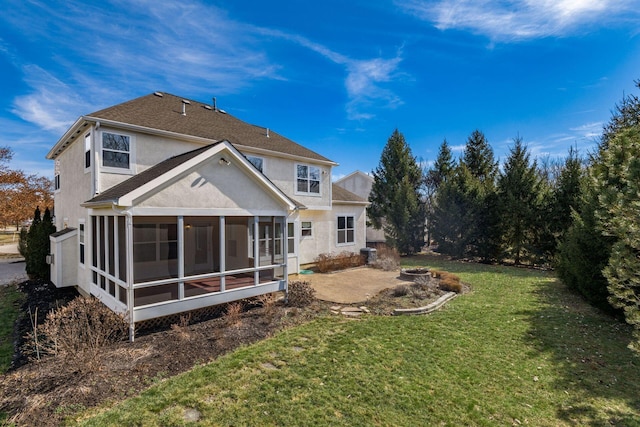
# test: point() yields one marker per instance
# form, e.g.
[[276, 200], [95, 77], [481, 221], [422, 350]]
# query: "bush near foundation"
[[79, 331], [301, 294]]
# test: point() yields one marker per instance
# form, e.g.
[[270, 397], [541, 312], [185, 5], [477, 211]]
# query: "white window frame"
[[346, 230], [115, 169], [262, 166], [308, 179], [303, 229], [291, 239], [87, 153], [82, 243]]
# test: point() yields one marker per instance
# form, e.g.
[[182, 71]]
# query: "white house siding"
[[75, 188], [324, 226], [215, 189], [282, 172], [360, 184], [147, 151]]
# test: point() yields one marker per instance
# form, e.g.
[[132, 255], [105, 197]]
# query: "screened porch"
[[181, 263]]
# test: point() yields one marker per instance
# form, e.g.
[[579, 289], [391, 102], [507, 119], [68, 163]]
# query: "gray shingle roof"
[[164, 111], [342, 195]]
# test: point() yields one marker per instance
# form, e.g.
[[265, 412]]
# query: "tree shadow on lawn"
[[588, 349]]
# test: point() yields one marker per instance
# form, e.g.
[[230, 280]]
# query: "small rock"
[[351, 313], [191, 415], [535, 378], [364, 309]]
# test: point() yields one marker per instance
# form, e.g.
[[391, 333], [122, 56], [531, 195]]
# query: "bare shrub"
[[268, 303], [450, 282], [332, 262], [233, 312], [400, 291], [386, 263], [182, 327], [80, 330], [301, 294]]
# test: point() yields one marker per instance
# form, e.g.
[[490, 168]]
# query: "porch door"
[[203, 254]]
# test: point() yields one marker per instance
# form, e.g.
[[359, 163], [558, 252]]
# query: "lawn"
[[518, 349], [9, 299]]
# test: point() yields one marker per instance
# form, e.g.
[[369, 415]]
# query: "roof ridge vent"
[[184, 106], [267, 132], [160, 94]]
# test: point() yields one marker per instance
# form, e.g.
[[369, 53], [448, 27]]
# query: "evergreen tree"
[[617, 180], [38, 245], [396, 204], [482, 228], [441, 171], [452, 215], [583, 252], [479, 159], [519, 193], [32, 242], [567, 192]]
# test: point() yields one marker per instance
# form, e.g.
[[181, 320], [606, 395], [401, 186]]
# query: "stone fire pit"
[[414, 272]]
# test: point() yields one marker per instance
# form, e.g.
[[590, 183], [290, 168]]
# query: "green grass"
[[9, 300], [518, 349]]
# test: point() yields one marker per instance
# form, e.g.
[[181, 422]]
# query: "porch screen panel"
[[122, 249], [155, 248], [201, 245], [112, 244], [238, 254], [94, 247]]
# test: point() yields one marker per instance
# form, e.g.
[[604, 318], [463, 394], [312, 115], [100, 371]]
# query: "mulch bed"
[[44, 392]]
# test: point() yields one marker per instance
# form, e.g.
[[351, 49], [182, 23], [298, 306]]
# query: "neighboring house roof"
[[357, 173], [137, 184], [340, 195], [161, 111]]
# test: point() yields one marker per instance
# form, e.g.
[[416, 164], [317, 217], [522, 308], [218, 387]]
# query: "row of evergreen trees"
[[581, 216], [34, 244]]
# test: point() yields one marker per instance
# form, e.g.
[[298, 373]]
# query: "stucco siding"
[[214, 186], [324, 232]]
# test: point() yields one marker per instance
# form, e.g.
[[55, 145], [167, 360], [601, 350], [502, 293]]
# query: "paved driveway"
[[352, 286], [12, 270]]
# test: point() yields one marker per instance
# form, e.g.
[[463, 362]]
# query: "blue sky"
[[335, 76]]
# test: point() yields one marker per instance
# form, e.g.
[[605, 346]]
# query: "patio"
[[351, 286]]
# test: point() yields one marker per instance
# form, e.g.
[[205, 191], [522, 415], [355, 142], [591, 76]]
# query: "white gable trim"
[[129, 200]]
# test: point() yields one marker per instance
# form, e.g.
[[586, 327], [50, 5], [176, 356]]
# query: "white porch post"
[[180, 257], [223, 267], [256, 249], [130, 293]]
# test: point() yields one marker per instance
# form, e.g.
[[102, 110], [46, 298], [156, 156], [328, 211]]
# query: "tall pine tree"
[[441, 171], [618, 185], [482, 227], [519, 192], [396, 203]]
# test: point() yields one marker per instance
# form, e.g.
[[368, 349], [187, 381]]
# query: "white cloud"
[[49, 104], [519, 19], [363, 80]]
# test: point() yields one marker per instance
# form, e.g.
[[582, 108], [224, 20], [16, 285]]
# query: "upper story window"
[[308, 179], [116, 150], [56, 182], [258, 162], [87, 151]]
